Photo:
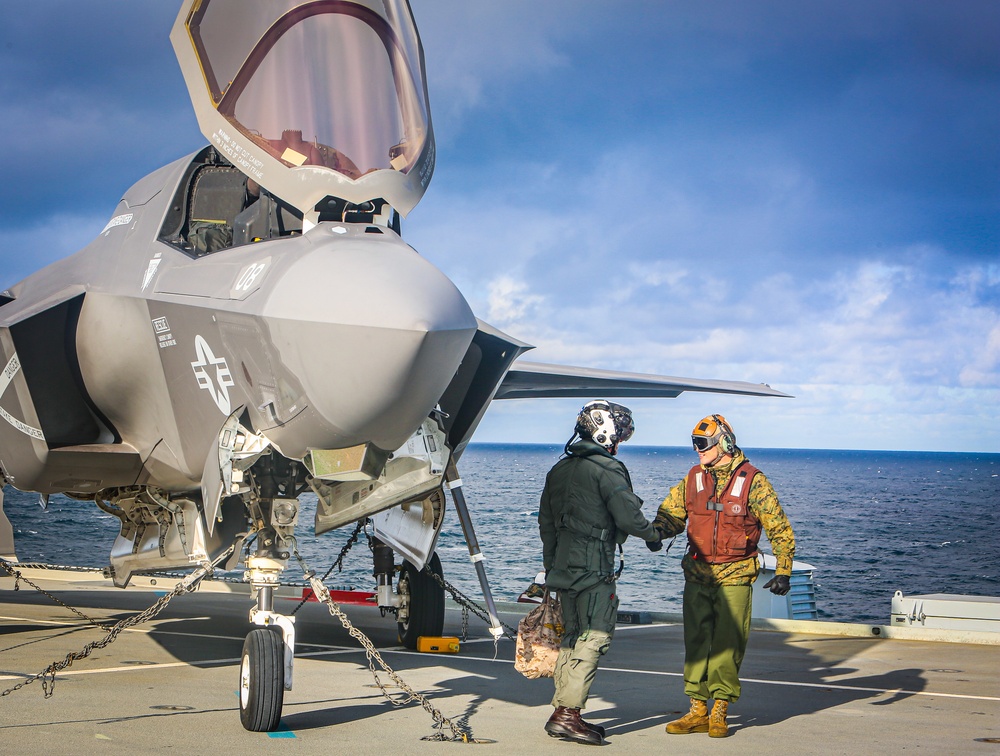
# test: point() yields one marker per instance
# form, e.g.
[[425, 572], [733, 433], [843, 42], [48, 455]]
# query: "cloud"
[[794, 193], [984, 369], [732, 277], [472, 50], [510, 302], [93, 100]]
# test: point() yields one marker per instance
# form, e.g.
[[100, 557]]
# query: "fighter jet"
[[250, 325]]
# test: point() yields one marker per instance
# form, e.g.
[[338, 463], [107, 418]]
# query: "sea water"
[[868, 522]]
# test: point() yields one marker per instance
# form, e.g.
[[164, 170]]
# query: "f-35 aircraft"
[[250, 325]]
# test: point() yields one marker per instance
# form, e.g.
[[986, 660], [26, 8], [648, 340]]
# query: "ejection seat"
[[218, 195], [265, 218]]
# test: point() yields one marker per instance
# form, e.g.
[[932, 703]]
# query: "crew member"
[[587, 509], [724, 502]]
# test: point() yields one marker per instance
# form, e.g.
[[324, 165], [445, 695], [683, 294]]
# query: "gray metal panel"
[[944, 610], [538, 380], [6, 533], [120, 367], [475, 382], [91, 467]]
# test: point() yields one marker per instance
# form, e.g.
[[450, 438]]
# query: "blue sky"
[[802, 194]]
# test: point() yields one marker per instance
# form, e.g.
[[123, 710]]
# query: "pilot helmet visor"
[[624, 423]]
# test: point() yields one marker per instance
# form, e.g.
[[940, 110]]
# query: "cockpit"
[[319, 103], [216, 207]]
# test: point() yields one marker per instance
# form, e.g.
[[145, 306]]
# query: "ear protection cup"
[[727, 441]]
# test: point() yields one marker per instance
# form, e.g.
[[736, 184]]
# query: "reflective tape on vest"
[[738, 484]]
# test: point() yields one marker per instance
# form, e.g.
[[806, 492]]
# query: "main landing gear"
[[421, 603]]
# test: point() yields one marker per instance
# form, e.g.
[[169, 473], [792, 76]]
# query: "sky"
[[800, 194]]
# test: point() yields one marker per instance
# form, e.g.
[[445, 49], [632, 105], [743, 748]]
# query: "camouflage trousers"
[[589, 619], [716, 628]]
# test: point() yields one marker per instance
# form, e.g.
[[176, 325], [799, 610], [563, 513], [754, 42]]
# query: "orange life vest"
[[721, 529]]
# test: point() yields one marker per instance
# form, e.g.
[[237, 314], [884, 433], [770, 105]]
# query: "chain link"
[[468, 605], [338, 563], [461, 734], [18, 577], [188, 585]]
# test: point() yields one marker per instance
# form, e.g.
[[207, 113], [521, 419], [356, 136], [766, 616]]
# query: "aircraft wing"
[[535, 380]]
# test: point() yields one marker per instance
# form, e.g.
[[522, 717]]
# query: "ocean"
[[868, 522]]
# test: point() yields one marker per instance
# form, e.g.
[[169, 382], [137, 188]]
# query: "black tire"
[[423, 599], [262, 680]]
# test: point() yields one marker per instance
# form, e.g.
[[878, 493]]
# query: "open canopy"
[[312, 99]]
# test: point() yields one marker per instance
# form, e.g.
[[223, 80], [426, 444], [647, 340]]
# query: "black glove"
[[779, 585], [657, 544]]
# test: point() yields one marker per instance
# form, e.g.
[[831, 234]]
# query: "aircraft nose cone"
[[373, 332]]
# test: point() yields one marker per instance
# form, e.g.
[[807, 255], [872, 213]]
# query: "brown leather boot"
[[595, 727], [696, 720], [565, 723], [717, 727]]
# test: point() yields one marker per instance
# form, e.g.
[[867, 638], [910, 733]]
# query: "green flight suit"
[[718, 597], [587, 509]]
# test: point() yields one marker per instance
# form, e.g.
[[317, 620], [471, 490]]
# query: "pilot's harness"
[[569, 522], [602, 534]]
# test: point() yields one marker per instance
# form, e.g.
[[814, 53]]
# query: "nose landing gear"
[[262, 680], [269, 649]]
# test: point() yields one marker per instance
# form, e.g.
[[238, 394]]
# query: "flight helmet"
[[607, 423], [713, 430]]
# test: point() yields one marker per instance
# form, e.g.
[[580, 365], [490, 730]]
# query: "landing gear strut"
[[269, 650], [418, 599]]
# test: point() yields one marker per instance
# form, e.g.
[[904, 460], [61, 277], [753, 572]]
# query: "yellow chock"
[[435, 645]]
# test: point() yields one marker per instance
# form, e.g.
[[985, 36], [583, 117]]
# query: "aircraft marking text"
[[118, 220], [249, 275], [164, 337], [13, 365], [239, 155]]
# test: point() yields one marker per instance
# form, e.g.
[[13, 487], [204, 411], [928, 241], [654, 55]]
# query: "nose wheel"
[[421, 603], [262, 680], [266, 664]]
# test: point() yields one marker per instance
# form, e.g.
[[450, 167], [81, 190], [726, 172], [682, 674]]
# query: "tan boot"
[[696, 720], [717, 727]]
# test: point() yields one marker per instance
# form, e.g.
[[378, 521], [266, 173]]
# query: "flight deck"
[[171, 684]]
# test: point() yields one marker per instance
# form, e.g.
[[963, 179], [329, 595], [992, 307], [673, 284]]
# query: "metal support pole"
[[265, 598], [454, 483]]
